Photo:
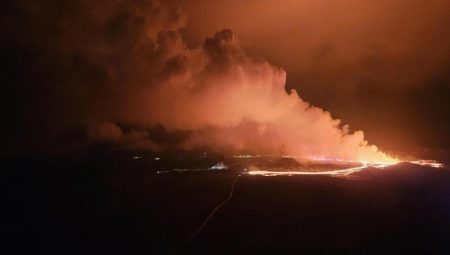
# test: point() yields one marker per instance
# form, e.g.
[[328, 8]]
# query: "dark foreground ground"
[[124, 207]]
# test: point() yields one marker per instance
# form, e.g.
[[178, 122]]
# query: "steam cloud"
[[125, 64]]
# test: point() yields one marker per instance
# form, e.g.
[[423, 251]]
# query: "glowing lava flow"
[[338, 172], [345, 171], [429, 163]]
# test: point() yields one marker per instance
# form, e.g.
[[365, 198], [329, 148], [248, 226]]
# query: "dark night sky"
[[379, 66]]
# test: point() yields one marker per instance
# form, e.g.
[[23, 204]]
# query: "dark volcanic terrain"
[[122, 206]]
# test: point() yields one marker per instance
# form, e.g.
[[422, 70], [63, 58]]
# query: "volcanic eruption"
[[124, 133], [127, 72], [219, 96]]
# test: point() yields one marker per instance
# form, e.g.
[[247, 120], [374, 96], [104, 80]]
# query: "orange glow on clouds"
[[235, 103], [221, 97]]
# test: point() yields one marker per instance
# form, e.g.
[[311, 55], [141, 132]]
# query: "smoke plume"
[[121, 68]]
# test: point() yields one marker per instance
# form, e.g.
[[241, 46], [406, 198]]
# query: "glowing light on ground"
[[344, 171], [429, 163], [348, 167], [219, 166], [338, 172]]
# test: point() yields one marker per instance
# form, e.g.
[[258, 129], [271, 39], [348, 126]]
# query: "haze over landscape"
[[209, 127]]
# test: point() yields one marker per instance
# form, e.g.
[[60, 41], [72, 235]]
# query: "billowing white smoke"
[[226, 100]]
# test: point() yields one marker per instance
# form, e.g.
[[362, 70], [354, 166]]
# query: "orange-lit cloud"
[[371, 63], [127, 64], [227, 100]]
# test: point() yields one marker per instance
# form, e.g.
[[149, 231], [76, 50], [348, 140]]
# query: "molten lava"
[[343, 171]]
